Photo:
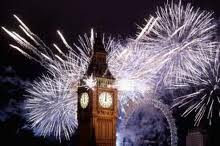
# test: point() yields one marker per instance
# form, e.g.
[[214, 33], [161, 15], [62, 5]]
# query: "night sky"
[[118, 18]]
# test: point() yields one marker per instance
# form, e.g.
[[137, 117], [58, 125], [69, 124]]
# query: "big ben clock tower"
[[97, 107]]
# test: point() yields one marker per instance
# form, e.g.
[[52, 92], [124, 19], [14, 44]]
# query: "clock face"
[[84, 100], [105, 99]]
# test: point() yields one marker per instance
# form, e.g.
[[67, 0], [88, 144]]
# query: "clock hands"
[[84, 100], [105, 97]]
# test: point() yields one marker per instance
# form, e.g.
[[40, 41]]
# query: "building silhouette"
[[196, 137]]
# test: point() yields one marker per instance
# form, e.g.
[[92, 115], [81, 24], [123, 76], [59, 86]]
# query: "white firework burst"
[[52, 102], [203, 98], [90, 82], [132, 69], [52, 108], [178, 34]]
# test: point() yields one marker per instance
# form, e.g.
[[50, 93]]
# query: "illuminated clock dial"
[[105, 99], [84, 100]]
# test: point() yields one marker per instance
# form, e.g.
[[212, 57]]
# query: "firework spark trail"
[[204, 99], [53, 99], [165, 109], [147, 27], [74, 63], [43, 54], [179, 34]]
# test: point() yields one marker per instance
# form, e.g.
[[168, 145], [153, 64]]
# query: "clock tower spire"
[[98, 66], [97, 110]]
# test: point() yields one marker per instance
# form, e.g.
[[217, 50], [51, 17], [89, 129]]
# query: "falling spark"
[[20, 50], [58, 49], [147, 27], [64, 40], [92, 38]]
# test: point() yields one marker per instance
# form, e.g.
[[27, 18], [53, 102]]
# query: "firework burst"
[[178, 34], [52, 108], [52, 103], [203, 98], [133, 69]]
